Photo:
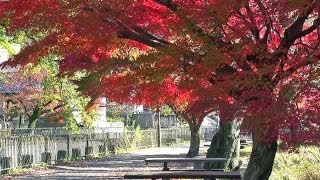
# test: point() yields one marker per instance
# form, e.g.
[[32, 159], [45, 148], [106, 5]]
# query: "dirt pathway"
[[112, 167]]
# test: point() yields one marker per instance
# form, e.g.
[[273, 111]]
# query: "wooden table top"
[[183, 159]]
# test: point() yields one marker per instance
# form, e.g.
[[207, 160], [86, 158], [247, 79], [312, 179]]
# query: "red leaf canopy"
[[262, 55]]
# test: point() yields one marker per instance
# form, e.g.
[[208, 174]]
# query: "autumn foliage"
[[262, 56]]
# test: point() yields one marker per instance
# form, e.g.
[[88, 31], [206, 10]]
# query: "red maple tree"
[[255, 52]]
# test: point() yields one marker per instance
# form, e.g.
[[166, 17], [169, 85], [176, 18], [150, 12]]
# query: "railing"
[[56, 131], [51, 145]]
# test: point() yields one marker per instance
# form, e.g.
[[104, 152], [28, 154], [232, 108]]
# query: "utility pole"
[[159, 129], [127, 116]]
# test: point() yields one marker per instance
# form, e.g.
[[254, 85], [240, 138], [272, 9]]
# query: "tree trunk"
[[20, 120], [261, 160], [225, 144], [194, 141], [32, 122], [34, 116]]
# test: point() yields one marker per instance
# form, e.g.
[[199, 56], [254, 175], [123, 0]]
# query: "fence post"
[[19, 149], [86, 152], [46, 143], [68, 146], [87, 140]]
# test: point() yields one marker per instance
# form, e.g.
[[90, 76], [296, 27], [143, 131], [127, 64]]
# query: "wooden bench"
[[194, 160], [183, 174], [243, 143]]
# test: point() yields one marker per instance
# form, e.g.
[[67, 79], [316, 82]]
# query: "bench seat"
[[183, 174]]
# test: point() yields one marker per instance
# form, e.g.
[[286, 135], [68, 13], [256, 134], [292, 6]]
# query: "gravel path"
[[112, 167]]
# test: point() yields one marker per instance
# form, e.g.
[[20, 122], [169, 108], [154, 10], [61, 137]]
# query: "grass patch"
[[304, 164], [301, 165], [23, 170]]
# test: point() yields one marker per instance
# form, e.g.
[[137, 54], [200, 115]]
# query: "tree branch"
[[143, 37], [46, 104], [168, 4], [294, 68], [294, 31], [268, 21], [254, 30], [149, 35], [53, 109], [24, 107]]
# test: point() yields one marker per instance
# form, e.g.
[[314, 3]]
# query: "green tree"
[[42, 94]]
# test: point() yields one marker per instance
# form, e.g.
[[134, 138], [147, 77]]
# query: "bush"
[[302, 165], [61, 155], [102, 150], [5, 165], [46, 157], [26, 160], [76, 154], [89, 152]]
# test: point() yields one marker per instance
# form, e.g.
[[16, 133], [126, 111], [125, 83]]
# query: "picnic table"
[[183, 174], [165, 161]]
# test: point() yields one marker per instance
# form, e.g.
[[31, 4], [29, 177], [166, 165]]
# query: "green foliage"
[[303, 165], [50, 97], [137, 133], [115, 118], [166, 110], [130, 140], [11, 43], [61, 91], [118, 112], [56, 95], [24, 170]]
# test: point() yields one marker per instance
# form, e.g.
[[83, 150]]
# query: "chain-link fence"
[[33, 147]]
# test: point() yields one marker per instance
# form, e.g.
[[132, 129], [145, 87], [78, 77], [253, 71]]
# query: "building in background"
[[149, 119]]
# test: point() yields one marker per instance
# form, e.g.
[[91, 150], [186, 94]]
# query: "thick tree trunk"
[[194, 141], [225, 144], [261, 160]]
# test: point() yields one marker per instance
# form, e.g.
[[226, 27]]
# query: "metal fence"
[[51, 145], [56, 131]]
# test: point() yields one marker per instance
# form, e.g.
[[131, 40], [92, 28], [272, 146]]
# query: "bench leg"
[[165, 166]]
